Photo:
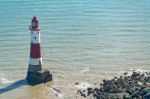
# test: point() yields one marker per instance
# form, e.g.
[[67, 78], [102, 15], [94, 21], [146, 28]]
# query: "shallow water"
[[82, 41]]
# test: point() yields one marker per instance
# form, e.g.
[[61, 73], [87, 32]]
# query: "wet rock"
[[76, 83], [147, 97], [123, 87], [83, 95]]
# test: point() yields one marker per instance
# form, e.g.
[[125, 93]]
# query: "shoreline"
[[72, 88], [129, 86]]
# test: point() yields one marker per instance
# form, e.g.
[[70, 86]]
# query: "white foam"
[[83, 85], [4, 80], [57, 93], [139, 71], [87, 69]]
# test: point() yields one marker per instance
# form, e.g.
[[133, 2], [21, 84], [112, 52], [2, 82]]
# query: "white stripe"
[[35, 61], [35, 37]]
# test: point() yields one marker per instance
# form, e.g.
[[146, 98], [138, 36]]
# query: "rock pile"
[[134, 86]]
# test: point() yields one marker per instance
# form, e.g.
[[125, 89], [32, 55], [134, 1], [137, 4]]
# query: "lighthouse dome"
[[35, 19], [34, 23]]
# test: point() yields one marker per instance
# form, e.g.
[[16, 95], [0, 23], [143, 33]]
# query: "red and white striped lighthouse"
[[35, 63]]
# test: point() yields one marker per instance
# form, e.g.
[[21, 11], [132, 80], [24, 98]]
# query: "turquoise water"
[[76, 34]]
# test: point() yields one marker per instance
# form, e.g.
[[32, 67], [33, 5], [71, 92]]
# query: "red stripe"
[[35, 51]]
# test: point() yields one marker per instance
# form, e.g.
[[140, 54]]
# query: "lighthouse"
[[36, 72]]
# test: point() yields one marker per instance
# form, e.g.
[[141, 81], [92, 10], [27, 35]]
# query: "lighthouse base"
[[38, 77]]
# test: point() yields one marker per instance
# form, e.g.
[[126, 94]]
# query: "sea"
[[82, 41]]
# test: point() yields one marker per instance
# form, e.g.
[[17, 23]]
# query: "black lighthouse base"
[[37, 77]]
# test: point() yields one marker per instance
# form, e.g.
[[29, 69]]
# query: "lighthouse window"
[[39, 62]]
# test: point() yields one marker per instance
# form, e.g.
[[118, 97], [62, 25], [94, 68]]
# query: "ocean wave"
[[87, 69], [4, 80], [139, 70], [83, 85], [56, 92]]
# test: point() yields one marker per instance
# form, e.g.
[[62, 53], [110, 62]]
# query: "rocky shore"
[[129, 86]]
